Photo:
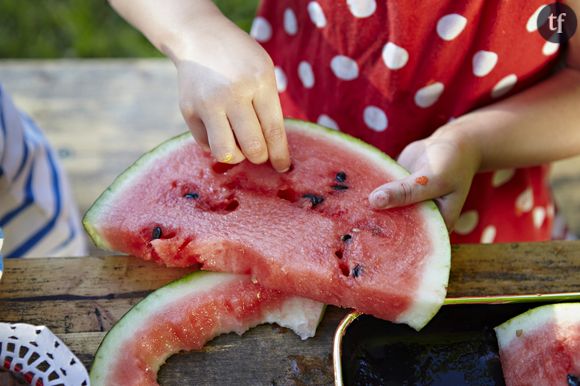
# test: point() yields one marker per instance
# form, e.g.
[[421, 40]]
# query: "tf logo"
[[557, 22]]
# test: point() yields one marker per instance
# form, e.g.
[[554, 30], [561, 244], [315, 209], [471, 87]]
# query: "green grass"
[[83, 29]]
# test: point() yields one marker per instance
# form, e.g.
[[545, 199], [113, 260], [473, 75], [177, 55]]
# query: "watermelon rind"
[[123, 180], [429, 295], [298, 314], [432, 289], [564, 314]]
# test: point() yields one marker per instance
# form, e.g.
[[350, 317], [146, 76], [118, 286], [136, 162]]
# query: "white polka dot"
[[281, 80], [316, 14], [344, 67], [502, 176], [428, 95], [290, 22], [362, 8], [261, 29], [550, 48], [525, 201], [467, 222], [488, 234], [550, 210], [305, 74], [504, 86], [375, 118], [395, 57], [539, 215], [450, 26], [326, 121], [483, 62], [532, 24]]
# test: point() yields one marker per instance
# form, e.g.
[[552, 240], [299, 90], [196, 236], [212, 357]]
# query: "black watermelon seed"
[[340, 176], [191, 196], [346, 237], [356, 271], [156, 234], [573, 380], [314, 199], [339, 187]]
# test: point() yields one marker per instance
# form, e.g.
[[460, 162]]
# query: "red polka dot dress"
[[392, 72]]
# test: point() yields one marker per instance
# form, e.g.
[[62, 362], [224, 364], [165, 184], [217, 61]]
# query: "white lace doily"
[[39, 357]]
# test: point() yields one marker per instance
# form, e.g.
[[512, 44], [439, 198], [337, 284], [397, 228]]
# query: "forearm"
[[537, 126], [170, 24]]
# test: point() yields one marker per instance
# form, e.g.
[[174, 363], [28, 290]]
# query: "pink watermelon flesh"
[[184, 316], [542, 346], [309, 232]]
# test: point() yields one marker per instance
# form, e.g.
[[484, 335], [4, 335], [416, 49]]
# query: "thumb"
[[409, 190]]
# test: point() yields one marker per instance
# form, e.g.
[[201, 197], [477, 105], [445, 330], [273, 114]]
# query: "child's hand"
[[442, 167], [227, 93]]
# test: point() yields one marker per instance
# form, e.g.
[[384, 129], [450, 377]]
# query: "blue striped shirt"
[[37, 213]]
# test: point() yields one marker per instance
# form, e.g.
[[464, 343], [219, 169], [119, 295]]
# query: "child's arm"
[[539, 125], [227, 87]]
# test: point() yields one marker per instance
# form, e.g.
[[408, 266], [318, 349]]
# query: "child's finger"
[[269, 112], [412, 189], [248, 133], [198, 131], [221, 138]]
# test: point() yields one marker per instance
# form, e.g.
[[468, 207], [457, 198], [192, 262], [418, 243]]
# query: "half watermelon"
[[309, 232], [187, 313], [542, 346]]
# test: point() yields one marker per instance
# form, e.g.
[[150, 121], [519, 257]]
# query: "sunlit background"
[[83, 29]]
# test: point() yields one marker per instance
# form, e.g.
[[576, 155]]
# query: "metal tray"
[[458, 347]]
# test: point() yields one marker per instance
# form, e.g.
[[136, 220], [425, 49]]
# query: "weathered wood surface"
[[80, 299]]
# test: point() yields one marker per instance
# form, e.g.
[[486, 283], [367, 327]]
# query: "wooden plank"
[[80, 298], [95, 277]]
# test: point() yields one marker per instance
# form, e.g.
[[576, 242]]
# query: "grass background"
[[83, 29]]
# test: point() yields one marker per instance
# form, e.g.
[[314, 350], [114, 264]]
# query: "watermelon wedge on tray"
[[309, 232], [187, 313], [542, 346]]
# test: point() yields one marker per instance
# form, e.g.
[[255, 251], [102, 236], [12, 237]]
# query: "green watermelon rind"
[[199, 282], [124, 179], [432, 290], [431, 284], [561, 313]]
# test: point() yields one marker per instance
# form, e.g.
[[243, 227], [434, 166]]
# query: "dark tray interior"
[[458, 347]]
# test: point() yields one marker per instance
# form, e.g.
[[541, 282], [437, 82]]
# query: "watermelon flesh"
[[184, 315], [309, 232], [542, 346]]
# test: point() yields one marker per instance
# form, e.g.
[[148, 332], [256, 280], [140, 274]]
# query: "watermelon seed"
[[573, 380], [156, 234], [340, 177], [314, 199], [345, 237], [191, 196], [339, 187], [338, 254], [357, 270]]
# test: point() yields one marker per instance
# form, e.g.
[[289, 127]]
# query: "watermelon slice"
[[187, 313], [309, 232], [542, 346]]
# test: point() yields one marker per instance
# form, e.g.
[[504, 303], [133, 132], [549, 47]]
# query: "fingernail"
[[227, 158], [379, 199]]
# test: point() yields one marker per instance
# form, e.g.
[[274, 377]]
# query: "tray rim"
[[494, 299]]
